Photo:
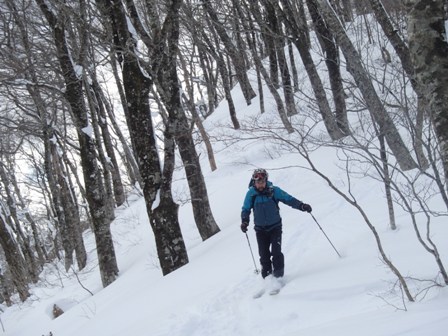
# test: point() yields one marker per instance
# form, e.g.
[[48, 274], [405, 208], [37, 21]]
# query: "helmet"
[[260, 174]]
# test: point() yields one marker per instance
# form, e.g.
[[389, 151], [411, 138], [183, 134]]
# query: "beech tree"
[[162, 44], [299, 34], [233, 52], [137, 84], [95, 190], [429, 49], [382, 118]]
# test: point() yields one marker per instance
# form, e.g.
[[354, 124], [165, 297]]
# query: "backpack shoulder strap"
[[252, 201], [270, 194]]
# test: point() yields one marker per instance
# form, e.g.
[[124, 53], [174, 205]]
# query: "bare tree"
[[22, 238], [14, 258], [275, 37], [234, 53], [385, 123], [333, 63], [95, 191], [163, 69], [428, 48], [137, 84], [267, 79], [298, 28]]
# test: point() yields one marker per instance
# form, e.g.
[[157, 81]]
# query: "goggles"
[[259, 177]]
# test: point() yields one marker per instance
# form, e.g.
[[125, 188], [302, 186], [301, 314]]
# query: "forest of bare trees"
[[100, 98]]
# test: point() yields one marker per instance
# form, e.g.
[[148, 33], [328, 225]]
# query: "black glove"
[[306, 207], [244, 227]]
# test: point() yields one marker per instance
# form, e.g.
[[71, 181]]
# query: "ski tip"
[[274, 292]]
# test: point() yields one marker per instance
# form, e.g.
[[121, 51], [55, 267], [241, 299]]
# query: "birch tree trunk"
[[429, 49]]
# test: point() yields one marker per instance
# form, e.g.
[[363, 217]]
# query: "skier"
[[263, 198]]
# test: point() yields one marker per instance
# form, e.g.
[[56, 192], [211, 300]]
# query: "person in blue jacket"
[[263, 197]]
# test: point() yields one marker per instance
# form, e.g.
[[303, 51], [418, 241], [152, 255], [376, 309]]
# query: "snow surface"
[[213, 295]]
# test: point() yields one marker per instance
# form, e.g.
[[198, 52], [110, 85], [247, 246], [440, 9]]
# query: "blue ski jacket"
[[265, 206]]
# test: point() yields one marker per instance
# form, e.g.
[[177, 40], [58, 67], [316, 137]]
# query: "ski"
[[274, 291], [259, 294], [276, 286]]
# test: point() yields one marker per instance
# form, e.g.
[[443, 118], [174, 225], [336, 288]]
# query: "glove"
[[306, 207], [244, 227]]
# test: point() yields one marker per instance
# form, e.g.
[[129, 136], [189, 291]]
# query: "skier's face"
[[260, 184]]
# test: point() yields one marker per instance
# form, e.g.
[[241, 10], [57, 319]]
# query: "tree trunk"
[[387, 182], [332, 62], [295, 75], [267, 30], [361, 77], [137, 83], [429, 49], [168, 84], [22, 239], [209, 82], [278, 39], [347, 10], [14, 257], [94, 111], [394, 38], [196, 117], [202, 213], [403, 53], [117, 183], [164, 220], [134, 171], [237, 60], [224, 76], [71, 232], [92, 176], [297, 27], [38, 244], [271, 87]]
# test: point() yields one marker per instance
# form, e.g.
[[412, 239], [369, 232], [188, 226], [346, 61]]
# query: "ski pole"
[[250, 248], [325, 235]]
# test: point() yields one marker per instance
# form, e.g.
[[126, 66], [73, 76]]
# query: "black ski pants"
[[270, 245]]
